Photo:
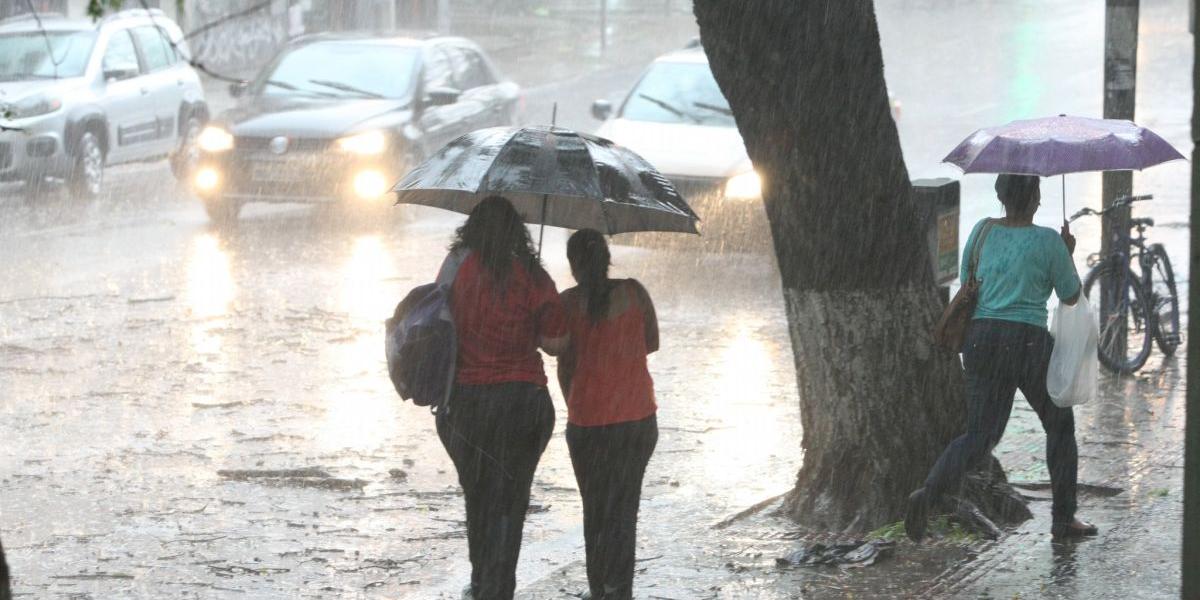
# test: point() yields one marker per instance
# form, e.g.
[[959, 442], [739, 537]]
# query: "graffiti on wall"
[[240, 45]]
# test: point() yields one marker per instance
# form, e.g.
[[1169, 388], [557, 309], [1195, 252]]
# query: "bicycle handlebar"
[[1121, 202]]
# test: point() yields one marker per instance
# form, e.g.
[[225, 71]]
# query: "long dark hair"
[[1017, 191], [496, 231], [588, 254]]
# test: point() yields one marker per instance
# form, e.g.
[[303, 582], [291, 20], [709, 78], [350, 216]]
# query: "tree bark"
[[878, 402], [5, 591]]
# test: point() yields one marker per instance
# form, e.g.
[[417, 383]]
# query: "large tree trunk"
[[878, 402], [5, 591]]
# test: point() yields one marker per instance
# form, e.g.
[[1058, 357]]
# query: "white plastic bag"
[[1072, 376]]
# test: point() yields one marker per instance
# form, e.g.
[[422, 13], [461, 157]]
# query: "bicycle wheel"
[[1165, 301], [1125, 335]]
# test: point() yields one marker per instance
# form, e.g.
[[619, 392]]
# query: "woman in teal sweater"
[[1008, 348]]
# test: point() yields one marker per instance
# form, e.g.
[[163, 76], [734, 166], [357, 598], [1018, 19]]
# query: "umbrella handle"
[[542, 226]]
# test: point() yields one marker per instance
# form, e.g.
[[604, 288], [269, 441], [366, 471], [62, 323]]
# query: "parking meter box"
[[937, 204]]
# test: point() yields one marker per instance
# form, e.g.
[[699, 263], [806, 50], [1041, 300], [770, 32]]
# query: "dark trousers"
[[495, 435], [609, 462], [1001, 357]]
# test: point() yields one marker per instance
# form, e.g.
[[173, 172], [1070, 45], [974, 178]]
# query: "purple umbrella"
[[1061, 145]]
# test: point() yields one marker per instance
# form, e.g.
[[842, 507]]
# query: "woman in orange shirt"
[[611, 424]]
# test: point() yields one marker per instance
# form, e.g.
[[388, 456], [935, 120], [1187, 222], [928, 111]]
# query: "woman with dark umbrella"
[[500, 417]]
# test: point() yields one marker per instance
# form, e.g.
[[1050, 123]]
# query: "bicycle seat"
[[1145, 222]]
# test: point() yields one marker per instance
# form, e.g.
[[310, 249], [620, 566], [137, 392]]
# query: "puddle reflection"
[[1064, 568], [209, 291], [363, 294], [359, 413], [748, 425], [210, 287]]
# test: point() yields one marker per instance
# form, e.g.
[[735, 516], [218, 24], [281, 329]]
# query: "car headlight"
[[214, 139], [744, 187], [368, 142], [33, 106]]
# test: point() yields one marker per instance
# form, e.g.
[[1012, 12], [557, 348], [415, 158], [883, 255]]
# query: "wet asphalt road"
[[142, 351]]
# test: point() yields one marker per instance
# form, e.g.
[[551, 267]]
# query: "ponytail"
[[589, 257]]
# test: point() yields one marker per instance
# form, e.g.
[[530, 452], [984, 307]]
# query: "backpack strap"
[[977, 250], [445, 281], [449, 270]]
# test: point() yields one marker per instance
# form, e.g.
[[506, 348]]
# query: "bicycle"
[[1135, 308]]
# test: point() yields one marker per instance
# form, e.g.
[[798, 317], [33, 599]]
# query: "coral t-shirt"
[[611, 382], [499, 324]]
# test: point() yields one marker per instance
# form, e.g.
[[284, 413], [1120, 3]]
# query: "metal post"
[[1191, 459], [1120, 86], [603, 26], [443, 16]]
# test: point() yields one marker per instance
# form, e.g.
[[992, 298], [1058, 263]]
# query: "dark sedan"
[[342, 118]]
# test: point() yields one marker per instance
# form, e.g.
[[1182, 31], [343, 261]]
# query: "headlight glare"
[[207, 179], [370, 184], [368, 142], [744, 187], [215, 139]]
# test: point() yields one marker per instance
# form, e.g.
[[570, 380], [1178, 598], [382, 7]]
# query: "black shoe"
[[1072, 530], [918, 515]]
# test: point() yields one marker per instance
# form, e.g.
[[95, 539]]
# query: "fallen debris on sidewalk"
[[858, 553]]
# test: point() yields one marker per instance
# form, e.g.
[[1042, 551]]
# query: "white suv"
[[77, 95]]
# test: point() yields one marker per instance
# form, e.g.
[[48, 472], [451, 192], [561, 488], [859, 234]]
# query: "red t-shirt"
[[499, 325], [611, 382]]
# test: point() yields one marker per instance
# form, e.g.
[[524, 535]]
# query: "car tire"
[[87, 174], [187, 156], [222, 211]]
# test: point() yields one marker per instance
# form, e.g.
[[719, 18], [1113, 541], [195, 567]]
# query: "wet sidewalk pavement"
[[1131, 471], [202, 414], [207, 418]]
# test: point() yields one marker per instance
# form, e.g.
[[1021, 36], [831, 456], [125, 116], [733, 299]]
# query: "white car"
[[677, 118], [78, 95]]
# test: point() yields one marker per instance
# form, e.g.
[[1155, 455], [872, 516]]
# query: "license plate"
[[275, 171]]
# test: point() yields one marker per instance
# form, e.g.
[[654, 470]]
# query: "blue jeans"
[[1001, 357]]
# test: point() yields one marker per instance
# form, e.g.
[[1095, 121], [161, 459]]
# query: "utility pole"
[[603, 26], [443, 17], [1120, 88], [1191, 458]]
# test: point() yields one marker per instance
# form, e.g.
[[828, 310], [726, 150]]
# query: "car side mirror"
[[441, 96], [119, 73], [602, 109], [237, 89]]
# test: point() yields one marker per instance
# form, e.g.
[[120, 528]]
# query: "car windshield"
[[677, 92], [37, 56], [344, 70]]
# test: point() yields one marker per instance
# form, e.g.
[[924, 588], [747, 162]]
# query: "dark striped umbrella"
[[552, 176]]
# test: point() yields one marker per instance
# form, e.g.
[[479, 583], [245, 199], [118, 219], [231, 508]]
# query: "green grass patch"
[[1159, 493], [941, 527], [889, 532]]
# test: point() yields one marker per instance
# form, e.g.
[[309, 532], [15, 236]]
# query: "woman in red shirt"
[[500, 416], [611, 424]]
